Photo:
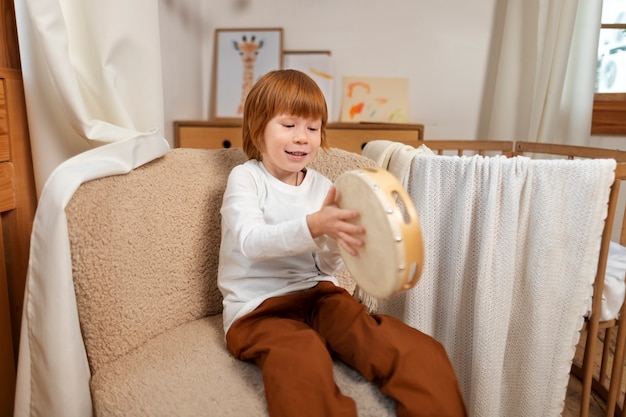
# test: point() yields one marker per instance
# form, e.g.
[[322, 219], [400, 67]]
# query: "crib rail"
[[570, 151], [464, 147]]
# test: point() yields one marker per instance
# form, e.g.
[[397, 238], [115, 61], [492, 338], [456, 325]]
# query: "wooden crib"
[[598, 373]]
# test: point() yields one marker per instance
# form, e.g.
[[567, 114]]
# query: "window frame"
[[609, 109]]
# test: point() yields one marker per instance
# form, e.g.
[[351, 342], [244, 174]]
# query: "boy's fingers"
[[347, 248], [330, 196]]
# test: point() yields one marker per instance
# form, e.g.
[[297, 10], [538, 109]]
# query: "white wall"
[[441, 46], [609, 142]]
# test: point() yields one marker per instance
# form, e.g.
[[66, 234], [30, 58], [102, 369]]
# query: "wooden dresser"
[[17, 203], [348, 136], [7, 204]]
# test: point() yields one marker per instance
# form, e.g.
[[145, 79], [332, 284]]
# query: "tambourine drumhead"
[[392, 257]]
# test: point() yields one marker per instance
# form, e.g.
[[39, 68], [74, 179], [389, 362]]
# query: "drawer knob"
[[226, 144]]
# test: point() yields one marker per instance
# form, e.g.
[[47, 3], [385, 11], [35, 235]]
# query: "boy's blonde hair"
[[280, 92]]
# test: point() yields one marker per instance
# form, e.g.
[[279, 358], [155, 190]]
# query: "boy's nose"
[[300, 137]]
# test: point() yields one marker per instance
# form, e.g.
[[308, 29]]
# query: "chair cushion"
[[187, 371]]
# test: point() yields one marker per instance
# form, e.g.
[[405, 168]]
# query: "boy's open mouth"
[[297, 153]]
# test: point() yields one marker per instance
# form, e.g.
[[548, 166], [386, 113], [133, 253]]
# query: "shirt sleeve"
[[256, 239], [328, 257]]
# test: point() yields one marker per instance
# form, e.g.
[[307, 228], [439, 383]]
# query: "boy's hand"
[[334, 222]]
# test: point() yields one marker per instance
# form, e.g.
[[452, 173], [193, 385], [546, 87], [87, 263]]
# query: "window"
[[609, 107]]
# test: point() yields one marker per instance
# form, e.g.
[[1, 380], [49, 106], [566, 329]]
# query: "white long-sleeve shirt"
[[267, 249]]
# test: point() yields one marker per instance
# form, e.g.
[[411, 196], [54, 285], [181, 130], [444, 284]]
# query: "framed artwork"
[[240, 57], [319, 66], [375, 99]]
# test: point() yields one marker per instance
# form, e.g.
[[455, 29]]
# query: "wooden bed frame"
[[607, 382]]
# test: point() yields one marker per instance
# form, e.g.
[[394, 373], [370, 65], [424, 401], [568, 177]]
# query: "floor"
[[572, 401]]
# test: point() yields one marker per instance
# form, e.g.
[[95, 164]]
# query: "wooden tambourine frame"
[[391, 259]]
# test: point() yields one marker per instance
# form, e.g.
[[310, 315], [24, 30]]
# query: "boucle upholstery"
[[144, 255]]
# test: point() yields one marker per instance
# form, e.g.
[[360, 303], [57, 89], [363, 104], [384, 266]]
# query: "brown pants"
[[291, 338]]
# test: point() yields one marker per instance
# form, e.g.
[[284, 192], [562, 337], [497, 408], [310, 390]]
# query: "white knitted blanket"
[[511, 249]]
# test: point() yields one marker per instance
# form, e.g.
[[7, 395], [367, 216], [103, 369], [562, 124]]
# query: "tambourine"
[[391, 259]]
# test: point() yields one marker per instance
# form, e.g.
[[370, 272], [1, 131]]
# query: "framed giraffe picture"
[[240, 57]]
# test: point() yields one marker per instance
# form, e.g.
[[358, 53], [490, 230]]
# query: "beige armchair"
[[144, 250]]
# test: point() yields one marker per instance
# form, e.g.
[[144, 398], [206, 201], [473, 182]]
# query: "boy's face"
[[290, 144]]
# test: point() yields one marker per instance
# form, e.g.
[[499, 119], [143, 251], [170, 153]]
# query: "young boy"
[[283, 309]]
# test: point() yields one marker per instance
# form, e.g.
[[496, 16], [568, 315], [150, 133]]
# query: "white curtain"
[[94, 94], [92, 75], [543, 84]]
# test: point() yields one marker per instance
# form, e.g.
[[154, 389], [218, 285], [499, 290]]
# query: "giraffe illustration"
[[248, 49]]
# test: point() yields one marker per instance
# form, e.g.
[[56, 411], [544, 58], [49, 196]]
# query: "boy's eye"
[[288, 125], [313, 129]]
